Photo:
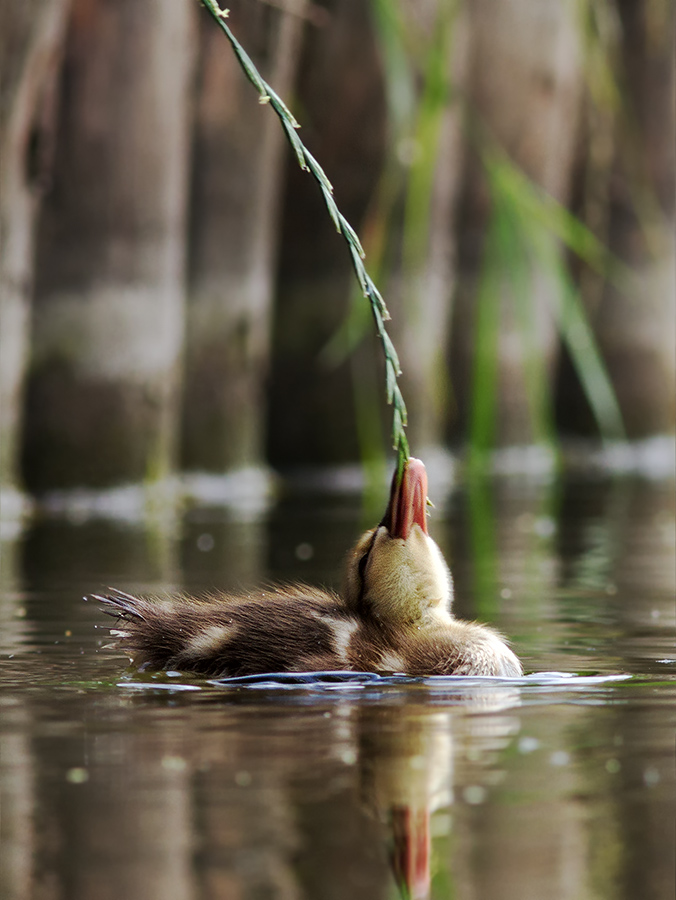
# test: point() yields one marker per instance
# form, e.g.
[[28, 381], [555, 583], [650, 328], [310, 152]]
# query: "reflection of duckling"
[[394, 617], [407, 773]]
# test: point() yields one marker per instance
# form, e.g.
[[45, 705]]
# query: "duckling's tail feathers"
[[152, 629], [121, 605]]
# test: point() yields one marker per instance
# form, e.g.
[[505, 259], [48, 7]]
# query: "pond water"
[[116, 785]]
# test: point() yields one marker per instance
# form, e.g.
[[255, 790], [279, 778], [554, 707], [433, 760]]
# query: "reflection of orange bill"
[[410, 856]]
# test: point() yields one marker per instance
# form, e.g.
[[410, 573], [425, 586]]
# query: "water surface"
[[561, 786]]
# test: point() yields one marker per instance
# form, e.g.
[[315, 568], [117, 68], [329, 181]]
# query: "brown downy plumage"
[[394, 615]]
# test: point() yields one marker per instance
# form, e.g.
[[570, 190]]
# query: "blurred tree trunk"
[[641, 347], [421, 292], [31, 37], [340, 98], [109, 307], [636, 325], [525, 88], [234, 199]]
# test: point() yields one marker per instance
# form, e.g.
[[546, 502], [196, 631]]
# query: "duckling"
[[394, 614]]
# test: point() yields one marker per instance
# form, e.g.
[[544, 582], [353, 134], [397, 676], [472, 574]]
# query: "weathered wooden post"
[[311, 413], [524, 89], [636, 325], [31, 36], [233, 238], [109, 309]]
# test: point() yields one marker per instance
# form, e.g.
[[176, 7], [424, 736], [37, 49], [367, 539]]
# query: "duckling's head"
[[396, 572]]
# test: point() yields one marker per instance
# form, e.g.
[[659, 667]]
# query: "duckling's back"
[[284, 629], [295, 629]]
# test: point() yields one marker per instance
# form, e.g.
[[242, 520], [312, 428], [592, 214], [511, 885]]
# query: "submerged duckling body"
[[394, 614]]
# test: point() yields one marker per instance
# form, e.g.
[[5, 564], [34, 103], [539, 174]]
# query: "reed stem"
[[308, 163]]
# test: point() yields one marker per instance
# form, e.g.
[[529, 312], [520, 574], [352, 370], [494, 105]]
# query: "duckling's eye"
[[361, 565], [361, 568]]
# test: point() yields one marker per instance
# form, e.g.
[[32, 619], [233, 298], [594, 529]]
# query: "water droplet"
[[527, 744], [77, 775], [544, 526], [559, 758], [651, 776], [304, 552], [348, 757], [205, 542], [474, 794], [408, 151]]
